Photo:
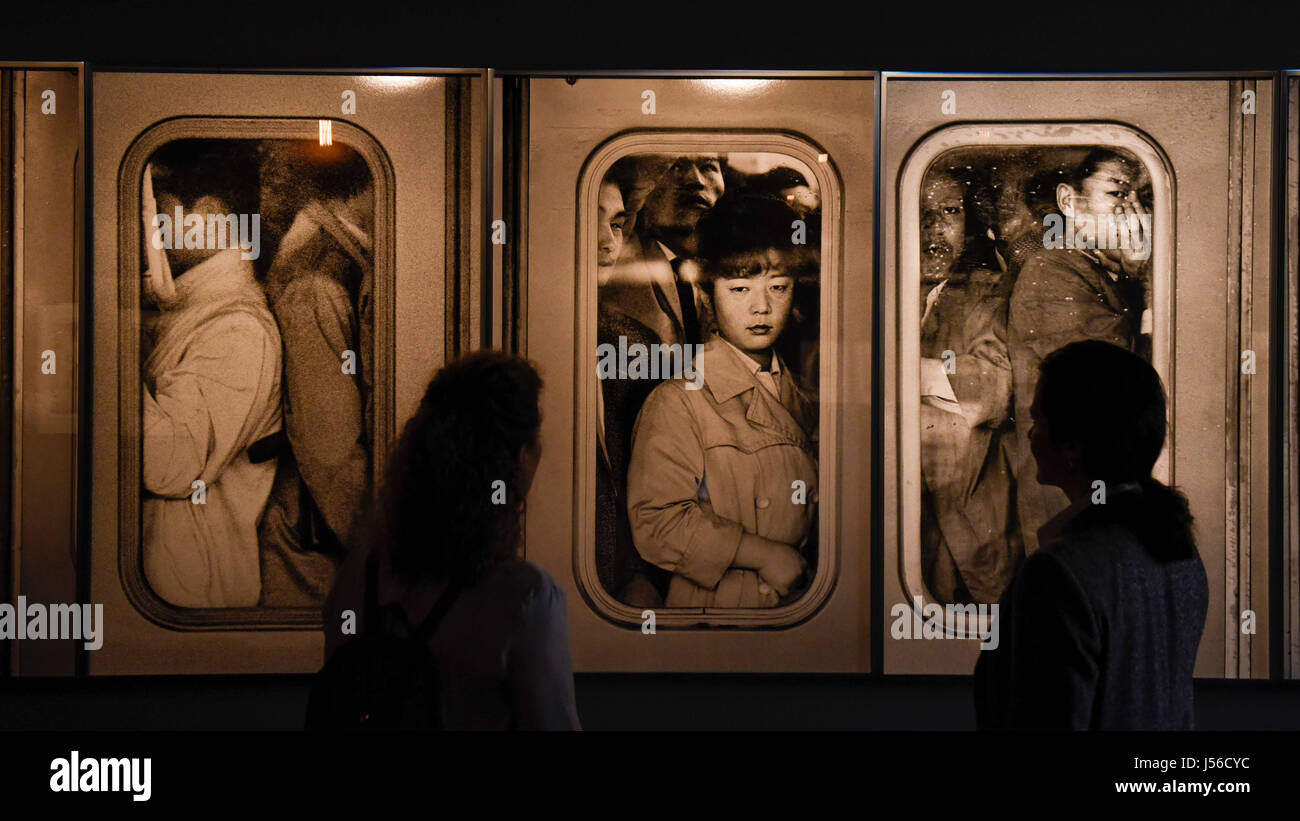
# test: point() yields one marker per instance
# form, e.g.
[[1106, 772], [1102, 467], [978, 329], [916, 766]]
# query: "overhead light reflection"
[[392, 82], [734, 86]]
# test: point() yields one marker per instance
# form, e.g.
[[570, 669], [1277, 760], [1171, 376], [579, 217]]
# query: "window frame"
[[917, 163], [130, 495], [698, 141]]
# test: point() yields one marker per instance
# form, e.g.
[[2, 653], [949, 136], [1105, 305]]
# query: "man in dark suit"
[[970, 543], [647, 212], [620, 569], [649, 282]]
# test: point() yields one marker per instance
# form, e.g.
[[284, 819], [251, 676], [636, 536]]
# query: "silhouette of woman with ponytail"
[[1099, 628]]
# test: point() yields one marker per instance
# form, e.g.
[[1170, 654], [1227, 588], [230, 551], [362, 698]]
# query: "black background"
[[979, 37], [1097, 36]]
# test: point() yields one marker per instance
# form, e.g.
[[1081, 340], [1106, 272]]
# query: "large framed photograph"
[[715, 269], [282, 262], [1025, 214]]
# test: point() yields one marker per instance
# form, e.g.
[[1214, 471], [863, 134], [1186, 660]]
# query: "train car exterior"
[[584, 230], [349, 276], [613, 189], [1197, 155]]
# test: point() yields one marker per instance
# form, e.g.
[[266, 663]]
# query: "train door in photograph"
[[282, 261], [972, 171], [689, 262], [41, 241]]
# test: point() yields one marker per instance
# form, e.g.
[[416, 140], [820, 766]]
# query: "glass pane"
[[708, 334], [256, 371], [1023, 250]]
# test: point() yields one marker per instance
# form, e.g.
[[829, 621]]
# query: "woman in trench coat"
[[722, 485]]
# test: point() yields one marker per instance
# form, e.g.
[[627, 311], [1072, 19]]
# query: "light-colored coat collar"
[[726, 377], [217, 276], [220, 284]]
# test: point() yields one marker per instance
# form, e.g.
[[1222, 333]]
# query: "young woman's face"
[[752, 311]]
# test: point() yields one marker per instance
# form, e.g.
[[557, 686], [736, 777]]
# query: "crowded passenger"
[[1064, 294], [211, 381], [320, 290], [652, 286], [970, 543], [621, 570], [716, 473]]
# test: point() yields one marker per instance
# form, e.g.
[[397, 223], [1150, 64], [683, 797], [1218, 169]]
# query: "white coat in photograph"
[[211, 389]]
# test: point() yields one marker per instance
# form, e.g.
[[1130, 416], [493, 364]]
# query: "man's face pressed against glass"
[[943, 227]]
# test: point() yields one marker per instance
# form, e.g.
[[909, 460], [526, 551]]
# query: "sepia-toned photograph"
[[257, 344], [697, 291], [707, 361], [256, 376], [1032, 223], [348, 393], [1023, 250]]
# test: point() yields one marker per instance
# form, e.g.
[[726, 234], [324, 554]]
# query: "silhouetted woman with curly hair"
[[449, 516]]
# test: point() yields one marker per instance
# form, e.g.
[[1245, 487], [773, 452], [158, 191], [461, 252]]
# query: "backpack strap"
[[430, 624], [370, 610], [372, 614]]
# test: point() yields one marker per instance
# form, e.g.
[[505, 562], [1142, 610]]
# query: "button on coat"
[[711, 464]]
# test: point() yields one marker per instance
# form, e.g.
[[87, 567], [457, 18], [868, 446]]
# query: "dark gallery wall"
[[1188, 36], [858, 36], [605, 702]]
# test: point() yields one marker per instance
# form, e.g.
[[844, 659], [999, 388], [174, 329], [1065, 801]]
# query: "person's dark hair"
[[1093, 161], [1040, 193], [190, 169], [624, 173], [440, 509], [1111, 404], [743, 225], [772, 182]]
